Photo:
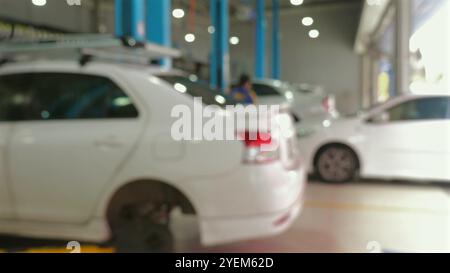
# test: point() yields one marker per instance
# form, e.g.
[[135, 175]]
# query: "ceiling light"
[[296, 2], [193, 78], [234, 40], [180, 87], [178, 13], [190, 38], [374, 2], [39, 3], [307, 21], [314, 34], [220, 99]]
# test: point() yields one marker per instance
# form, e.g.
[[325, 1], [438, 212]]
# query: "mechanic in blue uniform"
[[244, 93]]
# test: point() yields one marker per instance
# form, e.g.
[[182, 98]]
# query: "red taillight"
[[329, 104], [257, 148], [256, 139], [326, 104]]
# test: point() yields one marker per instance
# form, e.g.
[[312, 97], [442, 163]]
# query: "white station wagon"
[[86, 154]]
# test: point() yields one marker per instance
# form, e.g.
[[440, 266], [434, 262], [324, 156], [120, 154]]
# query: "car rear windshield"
[[264, 90], [303, 90], [197, 88]]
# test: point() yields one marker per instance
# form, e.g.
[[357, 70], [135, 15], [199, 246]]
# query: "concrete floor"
[[359, 217]]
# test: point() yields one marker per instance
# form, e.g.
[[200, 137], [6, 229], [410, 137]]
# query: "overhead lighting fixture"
[[289, 95], [39, 3], [211, 29], [307, 21], [193, 78], [314, 33], [234, 40], [180, 87], [178, 13], [374, 2], [220, 99], [297, 2], [190, 38]]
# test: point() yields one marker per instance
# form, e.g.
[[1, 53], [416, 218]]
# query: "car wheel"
[[142, 228], [337, 164]]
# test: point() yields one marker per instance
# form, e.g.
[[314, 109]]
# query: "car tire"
[[337, 164], [139, 214], [135, 231]]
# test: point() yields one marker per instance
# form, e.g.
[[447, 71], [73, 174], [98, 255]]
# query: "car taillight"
[[329, 104], [257, 149]]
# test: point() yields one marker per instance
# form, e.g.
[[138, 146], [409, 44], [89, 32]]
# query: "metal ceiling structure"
[[146, 20], [236, 6]]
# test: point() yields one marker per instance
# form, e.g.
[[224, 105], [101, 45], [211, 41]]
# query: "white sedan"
[[86, 153], [309, 104], [407, 137]]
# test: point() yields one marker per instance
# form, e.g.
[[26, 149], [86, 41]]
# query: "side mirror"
[[380, 118]]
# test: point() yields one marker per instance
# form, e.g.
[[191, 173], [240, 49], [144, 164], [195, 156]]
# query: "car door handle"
[[110, 142]]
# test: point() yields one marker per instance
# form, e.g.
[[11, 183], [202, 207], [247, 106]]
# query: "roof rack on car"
[[87, 47]]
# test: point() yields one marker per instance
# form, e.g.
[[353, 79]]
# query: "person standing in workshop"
[[244, 93]]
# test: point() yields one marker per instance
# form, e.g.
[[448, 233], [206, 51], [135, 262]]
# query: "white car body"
[[306, 102], [57, 177], [413, 149]]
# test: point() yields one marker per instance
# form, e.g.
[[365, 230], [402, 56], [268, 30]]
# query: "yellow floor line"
[[379, 208], [89, 249], [58, 250]]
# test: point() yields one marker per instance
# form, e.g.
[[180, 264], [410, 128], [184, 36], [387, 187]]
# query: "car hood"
[[342, 122], [329, 126]]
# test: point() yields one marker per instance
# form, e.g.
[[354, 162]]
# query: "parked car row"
[[86, 154]]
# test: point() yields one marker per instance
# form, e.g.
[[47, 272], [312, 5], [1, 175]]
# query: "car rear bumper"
[[252, 202], [220, 231]]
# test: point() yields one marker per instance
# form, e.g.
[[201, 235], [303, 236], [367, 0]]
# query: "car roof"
[[405, 97], [409, 96], [56, 64], [271, 82], [428, 94]]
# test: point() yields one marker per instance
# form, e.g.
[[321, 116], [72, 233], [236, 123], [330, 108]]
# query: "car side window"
[[15, 97], [435, 108], [66, 96], [263, 90]]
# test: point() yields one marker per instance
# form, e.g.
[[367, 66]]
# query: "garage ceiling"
[[236, 5], [241, 10]]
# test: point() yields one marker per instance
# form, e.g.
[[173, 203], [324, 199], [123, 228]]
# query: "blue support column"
[[276, 40], [119, 18], [214, 55], [260, 52], [130, 19], [220, 56], [225, 46], [158, 24]]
